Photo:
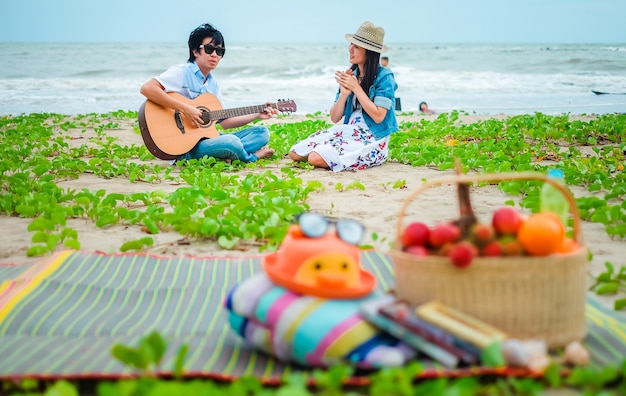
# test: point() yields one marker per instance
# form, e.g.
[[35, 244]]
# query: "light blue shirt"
[[187, 80]]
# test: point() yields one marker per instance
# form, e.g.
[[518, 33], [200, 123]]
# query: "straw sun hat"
[[369, 37]]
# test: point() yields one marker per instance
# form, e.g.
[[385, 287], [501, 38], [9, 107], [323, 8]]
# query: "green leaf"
[[179, 361], [296, 386], [111, 199], [40, 237], [84, 201], [492, 355], [607, 288], [553, 375], [29, 384], [37, 250], [604, 277], [334, 377], [218, 195], [355, 185], [620, 304], [72, 244], [69, 233], [151, 225], [399, 184], [137, 244], [247, 385], [62, 388], [106, 220], [40, 224], [226, 242], [153, 346], [26, 210], [209, 226], [130, 356]]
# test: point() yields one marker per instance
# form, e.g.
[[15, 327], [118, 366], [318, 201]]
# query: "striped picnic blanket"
[[60, 317]]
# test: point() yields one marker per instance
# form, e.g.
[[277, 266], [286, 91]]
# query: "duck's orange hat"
[[282, 266]]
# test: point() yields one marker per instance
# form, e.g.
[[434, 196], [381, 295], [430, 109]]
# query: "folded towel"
[[308, 330]]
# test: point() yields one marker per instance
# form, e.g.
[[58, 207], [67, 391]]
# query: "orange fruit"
[[568, 246], [541, 234]]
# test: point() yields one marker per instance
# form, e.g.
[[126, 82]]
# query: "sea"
[[483, 79]]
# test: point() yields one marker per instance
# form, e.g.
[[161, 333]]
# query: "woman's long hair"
[[370, 69]]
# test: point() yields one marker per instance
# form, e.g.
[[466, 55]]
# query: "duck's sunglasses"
[[315, 225], [208, 49]]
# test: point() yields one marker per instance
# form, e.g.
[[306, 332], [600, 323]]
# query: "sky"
[[320, 21]]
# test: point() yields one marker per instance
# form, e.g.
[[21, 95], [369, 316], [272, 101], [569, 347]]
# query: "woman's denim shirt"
[[382, 93]]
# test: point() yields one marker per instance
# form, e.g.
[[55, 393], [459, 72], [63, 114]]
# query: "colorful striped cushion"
[[308, 330]]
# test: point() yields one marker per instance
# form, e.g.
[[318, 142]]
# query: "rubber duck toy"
[[304, 306], [322, 266]]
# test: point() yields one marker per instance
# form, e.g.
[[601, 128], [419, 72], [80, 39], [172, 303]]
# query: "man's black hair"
[[199, 34]]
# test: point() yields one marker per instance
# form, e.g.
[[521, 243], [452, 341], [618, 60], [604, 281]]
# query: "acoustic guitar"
[[168, 135]]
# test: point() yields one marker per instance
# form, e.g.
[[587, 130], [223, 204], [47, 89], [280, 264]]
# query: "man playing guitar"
[[189, 81]]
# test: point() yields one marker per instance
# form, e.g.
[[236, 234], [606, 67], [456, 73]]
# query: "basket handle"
[[494, 177]]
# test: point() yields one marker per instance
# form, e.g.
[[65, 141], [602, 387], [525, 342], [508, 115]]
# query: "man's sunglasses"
[[208, 49], [314, 225]]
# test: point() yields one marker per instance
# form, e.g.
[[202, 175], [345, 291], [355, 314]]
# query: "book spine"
[[459, 324], [465, 351], [438, 354]]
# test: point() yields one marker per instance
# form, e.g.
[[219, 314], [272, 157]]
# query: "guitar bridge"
[[179, 122]]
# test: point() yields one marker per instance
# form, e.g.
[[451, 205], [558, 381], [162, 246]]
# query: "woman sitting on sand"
[[365, 101]]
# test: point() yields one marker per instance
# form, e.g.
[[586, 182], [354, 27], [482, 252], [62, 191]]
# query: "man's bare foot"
[[264, 152]]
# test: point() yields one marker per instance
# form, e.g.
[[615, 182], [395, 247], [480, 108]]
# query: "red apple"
[[443, 233], [506, 220], [492, 249], [444, 249], [481, 234], [511, 246], [462, 254], [417, 250], [415, 234]]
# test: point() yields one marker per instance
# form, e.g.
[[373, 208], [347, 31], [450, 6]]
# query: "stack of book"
[[445, 335]]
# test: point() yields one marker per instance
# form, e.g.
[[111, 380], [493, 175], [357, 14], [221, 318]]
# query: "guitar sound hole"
[[206, 117]]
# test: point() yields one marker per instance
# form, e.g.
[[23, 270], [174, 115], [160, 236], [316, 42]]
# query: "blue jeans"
[[240, 145]]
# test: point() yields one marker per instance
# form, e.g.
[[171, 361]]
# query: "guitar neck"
[[215, 115]]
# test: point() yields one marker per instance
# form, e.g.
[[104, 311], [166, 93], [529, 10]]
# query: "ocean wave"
[[92, 73], [483, 78]]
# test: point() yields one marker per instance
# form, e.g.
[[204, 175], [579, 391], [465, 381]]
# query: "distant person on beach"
[[424, 108], [365, 101], [206, 50]]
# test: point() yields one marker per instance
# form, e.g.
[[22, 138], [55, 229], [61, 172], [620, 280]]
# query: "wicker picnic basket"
[[526, 297]]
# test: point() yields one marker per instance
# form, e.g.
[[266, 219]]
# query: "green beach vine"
[[240, 205]]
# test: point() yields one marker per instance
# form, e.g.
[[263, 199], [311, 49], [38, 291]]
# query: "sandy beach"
[[377, 206]]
